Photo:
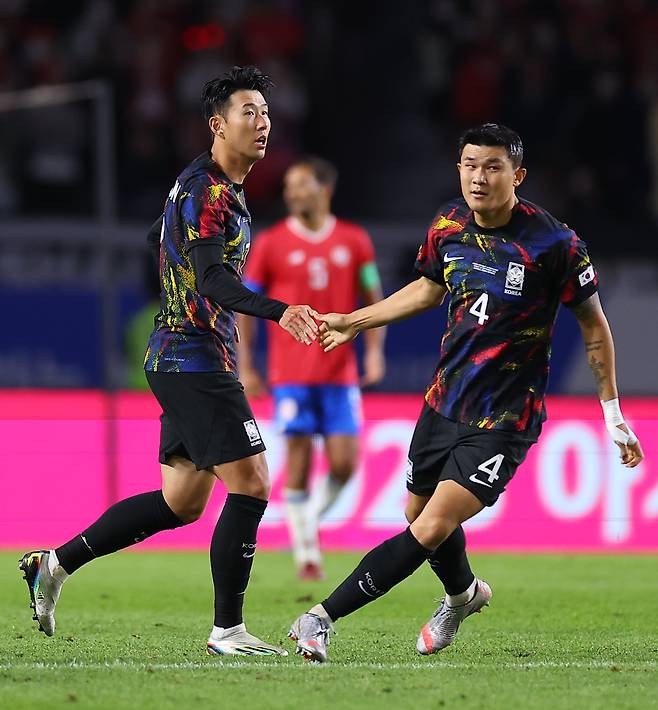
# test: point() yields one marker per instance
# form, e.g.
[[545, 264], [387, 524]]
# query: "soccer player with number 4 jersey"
[[507, 266], [315, 257]]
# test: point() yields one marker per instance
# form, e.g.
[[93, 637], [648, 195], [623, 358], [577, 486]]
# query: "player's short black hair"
[[324, 171], [217, 92], [494, 134]]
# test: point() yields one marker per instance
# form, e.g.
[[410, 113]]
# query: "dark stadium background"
[[86, 161]]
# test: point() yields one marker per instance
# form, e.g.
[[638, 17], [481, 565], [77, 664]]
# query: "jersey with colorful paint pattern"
[[506, 285], [192, 333]]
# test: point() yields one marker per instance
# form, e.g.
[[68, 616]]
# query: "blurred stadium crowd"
[[577, 78], [382, 90], [157, 54]]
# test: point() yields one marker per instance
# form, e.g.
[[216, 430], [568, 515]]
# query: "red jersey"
[[295, 265]]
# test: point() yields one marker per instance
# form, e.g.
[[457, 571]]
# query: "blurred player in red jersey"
[[331, 263]]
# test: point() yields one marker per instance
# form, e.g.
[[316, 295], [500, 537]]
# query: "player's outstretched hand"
[[298, 321], [335, 330], [629, 446]]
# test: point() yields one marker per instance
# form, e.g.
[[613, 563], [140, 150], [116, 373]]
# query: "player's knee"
[[342, 471], [412, 511], [258, 484], [189, 511], [258, 489], [432, 531]]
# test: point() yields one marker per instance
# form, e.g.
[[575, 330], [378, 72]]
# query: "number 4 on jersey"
[[479, 309], [490, 467]]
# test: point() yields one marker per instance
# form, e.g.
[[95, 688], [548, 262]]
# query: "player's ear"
[[216, 125], [519, 176]]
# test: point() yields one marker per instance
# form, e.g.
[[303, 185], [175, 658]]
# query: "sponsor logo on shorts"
[[490, 467], [287, 410], [251, 428]]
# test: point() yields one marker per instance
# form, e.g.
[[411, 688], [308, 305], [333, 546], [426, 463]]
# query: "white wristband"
[[612, 412], [613, 418]]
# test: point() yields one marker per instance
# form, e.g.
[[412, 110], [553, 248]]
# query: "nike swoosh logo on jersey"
[[248, 555], [448, 258]]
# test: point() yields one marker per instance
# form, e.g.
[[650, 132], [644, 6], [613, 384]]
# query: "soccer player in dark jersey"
[[208, 431], [507, 265]]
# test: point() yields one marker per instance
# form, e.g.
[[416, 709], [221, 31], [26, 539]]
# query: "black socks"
[[127, 522], [132, 520], [381, 569], [450, 563], [232, 551]]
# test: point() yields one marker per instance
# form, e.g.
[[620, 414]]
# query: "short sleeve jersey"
[[192, 333], [506, 285], [297, 266]]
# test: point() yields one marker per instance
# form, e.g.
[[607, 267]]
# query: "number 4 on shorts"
[[490, 467]]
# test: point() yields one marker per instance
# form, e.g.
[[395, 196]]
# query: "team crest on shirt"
[[297, 257], [514, 278], [340, 255]]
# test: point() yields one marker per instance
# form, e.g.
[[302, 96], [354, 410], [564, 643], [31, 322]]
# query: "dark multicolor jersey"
[[506, 285], [192, 333]]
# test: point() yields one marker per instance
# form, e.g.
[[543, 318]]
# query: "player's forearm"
[[599, 346], [374, 338], [413, 298], [600, 351], [215, 282]]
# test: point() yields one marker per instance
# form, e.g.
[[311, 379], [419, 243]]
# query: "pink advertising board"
[[65, 456]]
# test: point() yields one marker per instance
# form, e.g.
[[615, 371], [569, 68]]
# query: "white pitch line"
[[192, 666]]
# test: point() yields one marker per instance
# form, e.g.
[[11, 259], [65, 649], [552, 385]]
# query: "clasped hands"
[[302, 323]]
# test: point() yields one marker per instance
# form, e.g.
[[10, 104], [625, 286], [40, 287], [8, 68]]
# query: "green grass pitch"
[[561, 632]]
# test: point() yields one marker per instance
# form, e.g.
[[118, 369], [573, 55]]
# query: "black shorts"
[[481, 460], [205, 418]]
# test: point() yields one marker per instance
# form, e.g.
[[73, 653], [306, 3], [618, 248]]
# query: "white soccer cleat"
[[312, 635], [441, 629], [237, 641], [44, 588]]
